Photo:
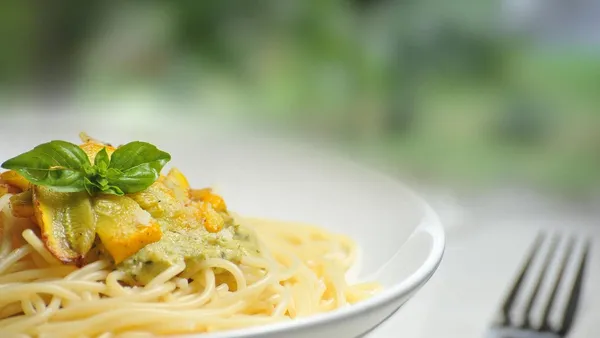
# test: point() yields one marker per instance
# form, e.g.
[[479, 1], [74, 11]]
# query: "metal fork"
[[521, 325]]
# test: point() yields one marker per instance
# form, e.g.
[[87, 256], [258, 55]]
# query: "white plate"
[[401, 238]]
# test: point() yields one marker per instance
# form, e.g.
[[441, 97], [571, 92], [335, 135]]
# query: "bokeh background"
[[467, 94]]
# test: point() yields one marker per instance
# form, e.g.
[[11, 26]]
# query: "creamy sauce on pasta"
[[190, 247]]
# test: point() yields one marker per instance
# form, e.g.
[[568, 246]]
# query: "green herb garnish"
[[63, 166]]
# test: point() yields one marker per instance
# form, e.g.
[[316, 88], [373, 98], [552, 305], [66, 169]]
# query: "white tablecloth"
[[486, 245]]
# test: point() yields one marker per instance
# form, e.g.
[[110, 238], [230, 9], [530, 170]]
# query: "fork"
[[516, 322]]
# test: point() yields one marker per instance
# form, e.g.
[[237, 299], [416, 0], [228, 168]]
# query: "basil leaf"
[[52, 154], [135, 166], [138, 153], [102, 181], [113, 173], [102, 161], [135, 179], [113, 190], [101, 186], [89, 170], [63, 166], [56, 164], [91, 187]]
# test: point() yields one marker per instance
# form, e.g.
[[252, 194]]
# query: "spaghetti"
[[299, 271]]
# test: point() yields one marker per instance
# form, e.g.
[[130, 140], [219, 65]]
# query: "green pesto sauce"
[[189, 246]]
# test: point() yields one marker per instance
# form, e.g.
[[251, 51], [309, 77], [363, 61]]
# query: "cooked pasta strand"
[[300, 271]]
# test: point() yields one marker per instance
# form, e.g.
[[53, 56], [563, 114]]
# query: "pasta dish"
[[96, 242]]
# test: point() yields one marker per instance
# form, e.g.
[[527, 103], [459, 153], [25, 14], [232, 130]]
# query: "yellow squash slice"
[[159, 200], [15, 179], [21, 204], [123, 226], [6, 188], [178, 183], [213, 221], [206, 195], [91, 148], [66, 221]]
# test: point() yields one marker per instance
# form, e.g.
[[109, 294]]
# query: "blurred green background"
[[464, 92]]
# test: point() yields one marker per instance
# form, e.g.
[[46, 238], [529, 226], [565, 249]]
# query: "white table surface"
[[486, 243]]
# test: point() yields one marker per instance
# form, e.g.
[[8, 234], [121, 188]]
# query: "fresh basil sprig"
[[65, 167]]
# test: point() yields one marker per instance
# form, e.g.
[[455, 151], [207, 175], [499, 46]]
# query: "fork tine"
[[510, 299], [569, 315], [561, 272], [538, 281]]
